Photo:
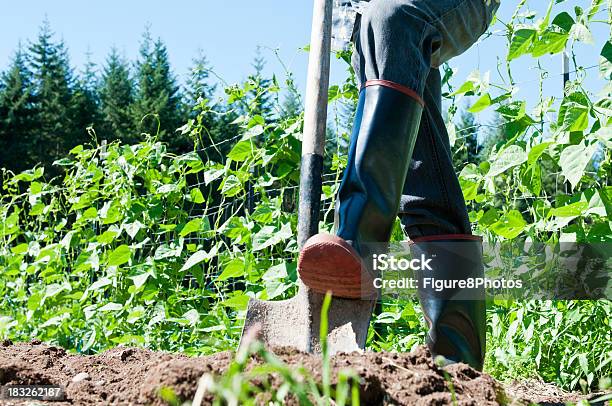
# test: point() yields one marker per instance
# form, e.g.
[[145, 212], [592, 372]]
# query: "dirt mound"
[[135, 376]]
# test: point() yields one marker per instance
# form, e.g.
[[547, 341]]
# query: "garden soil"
[[130, 376]]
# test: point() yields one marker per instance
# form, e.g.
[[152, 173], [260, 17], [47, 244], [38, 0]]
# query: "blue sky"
[[229, 32]]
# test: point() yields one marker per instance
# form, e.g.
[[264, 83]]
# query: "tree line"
[[47, 107]]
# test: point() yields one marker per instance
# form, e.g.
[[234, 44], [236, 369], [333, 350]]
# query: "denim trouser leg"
[[404, 41], [432, 202]]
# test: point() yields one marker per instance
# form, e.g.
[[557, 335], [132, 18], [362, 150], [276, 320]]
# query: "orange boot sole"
[[329, 263]]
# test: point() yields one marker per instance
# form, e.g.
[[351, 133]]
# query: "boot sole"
[[328, 263]]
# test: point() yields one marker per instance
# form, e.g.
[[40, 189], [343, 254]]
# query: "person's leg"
[[432, 202]]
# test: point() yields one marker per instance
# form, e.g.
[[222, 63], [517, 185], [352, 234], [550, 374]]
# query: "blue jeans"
[[405, 41]]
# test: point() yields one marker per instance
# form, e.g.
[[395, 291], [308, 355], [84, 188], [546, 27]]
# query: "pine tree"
[[292, 105], [158, 101], [16, 114], [116, 98], [52, 80], [86, 102], [259, 98], [198, 86], [200, 106]]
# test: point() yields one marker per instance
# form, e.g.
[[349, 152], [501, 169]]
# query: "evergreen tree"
[[86, 102], [198, 86], [16, 114], [259, 98], [116, 98], [158, 101], [292, 105], [215, 120], [52, 80]]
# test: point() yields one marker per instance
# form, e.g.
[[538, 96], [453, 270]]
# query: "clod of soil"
[[134, 376]]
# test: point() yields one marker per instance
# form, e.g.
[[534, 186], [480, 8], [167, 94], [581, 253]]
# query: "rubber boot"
[[455, 315], [385, 129]]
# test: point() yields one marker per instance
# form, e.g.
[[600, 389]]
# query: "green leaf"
[[193, 226], [574, 112], [508, 158], [241, 151], [234, 269], [231, 186], [20, 249], [34, 300], [469, 189], [100, 283], [111, 212], [466, 87], [119, 256], [135, 314], [107, 237], [482, 103], [167, 188], [550, 43], [269, 236], [140, 280], [536, 151], [520, 43], [489, 217], [213, 174], [165, 251], [584, 363], [510, 225], [605, 194], [570, 210], [564, 21], [111, 307], [253, 132], [513, 111], [196, 196], [573, 161], [90, 213], [263, 214], [132, 229], [194, 259], [238, 302], [279, 278]]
